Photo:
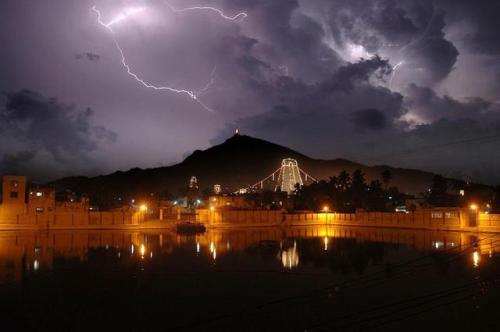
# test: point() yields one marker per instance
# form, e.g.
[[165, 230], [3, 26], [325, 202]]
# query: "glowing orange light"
[[476, 258], [473, 207], [143, 208]]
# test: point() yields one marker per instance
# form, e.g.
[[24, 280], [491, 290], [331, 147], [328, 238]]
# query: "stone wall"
[[75, 219], [435, 219], [489, 222], [239, 217]]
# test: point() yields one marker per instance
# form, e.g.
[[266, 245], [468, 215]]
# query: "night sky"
[[406, 83]]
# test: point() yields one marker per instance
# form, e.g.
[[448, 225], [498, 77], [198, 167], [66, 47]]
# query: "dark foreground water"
[[259, 279]]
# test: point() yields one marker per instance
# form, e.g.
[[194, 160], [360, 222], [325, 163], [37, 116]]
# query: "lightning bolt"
[[394, 70], [132, 11], [209, 84], [411, 44], [120, 17], [238, 16]]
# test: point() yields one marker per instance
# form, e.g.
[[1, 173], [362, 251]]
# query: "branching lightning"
[[209, 84], [238, 16], [133, 11], [121, 16], [411, 45], [394, 70]]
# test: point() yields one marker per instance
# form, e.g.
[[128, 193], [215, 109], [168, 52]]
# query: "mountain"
[[238, 162]]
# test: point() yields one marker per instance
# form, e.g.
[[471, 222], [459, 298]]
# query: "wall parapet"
[[72, 219], [439, 218]]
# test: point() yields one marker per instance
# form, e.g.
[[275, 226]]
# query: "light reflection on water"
[[290, 257], [242, 264], [476, 258], [38, 249]]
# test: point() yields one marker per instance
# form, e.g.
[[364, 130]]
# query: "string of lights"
[[285, 177]]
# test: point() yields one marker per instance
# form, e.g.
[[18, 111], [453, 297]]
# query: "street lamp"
[[473, 207], [142, 209], [326, 208]]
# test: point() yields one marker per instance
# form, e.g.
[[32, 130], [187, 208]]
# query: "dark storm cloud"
[[89, 56], [432, 52], [373, 24], [354, 119], [430, 107], [38, 124], [346, 77], [290, 72], [480, 21], [409, 31], [287, 38], [336, 107], [455, 147], [338, 114], [370, 118], [12, 162]]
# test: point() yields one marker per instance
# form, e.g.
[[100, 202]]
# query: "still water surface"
[[255, 279]]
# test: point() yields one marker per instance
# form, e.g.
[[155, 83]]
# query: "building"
[[38, 207], [74, 204], [41, 200], [14, 196]]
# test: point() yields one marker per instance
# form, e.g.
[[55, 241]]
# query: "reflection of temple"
[[28, 252]]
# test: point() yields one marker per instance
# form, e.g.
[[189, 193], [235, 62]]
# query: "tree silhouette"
[[438, 194], [346, 193], [386, 177], [495, 204]]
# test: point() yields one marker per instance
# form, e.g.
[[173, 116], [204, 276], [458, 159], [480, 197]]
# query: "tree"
[[344, 180], [345, 193], [495, 204], [358, 189], [376, 197], [386, 177], [438, 193]]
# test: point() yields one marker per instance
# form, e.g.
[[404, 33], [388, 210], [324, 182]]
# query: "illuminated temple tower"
[[289, 175]]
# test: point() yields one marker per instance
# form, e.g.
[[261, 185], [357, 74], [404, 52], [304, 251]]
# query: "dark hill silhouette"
[[239, 161]]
